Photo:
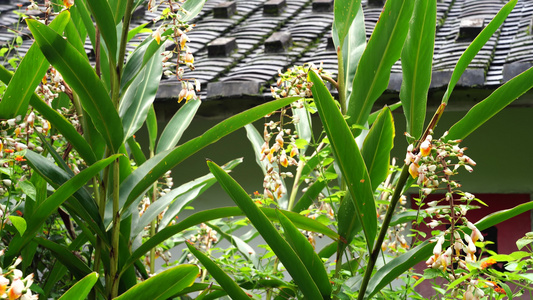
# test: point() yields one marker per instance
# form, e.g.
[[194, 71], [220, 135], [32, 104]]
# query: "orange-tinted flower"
[[487, 263], [499, 290], [19, 158], [3, 284], [157, 36], [17, 132], [189, 58], [9, 150], [413, 169], [15, 291], [68, 3], [425, 148]]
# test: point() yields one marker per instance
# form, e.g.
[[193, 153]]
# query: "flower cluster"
[[12, 285], [174, 31], [283, 152], [294, 81], [52, 85]]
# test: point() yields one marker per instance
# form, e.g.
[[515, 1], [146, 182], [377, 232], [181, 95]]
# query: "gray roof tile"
[[506, 54]]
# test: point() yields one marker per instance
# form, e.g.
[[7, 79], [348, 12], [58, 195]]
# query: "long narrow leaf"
[[344, 13], [233, 290], [139, 97], [307, 254], [475, 46], [44, 209], [80, 76], [382, 51], [177, 125], [102, 14], [75, 265], [300, 221], [164, 285], [144, 176], [486, 109], [81, 289], [417, 59], [29, 73], [377, 147], [349, 159], [281, 248]]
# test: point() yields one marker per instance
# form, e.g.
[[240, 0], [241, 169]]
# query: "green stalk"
[[295, 185], [114, 276], [383, 231], [153, 223], [340, 81]]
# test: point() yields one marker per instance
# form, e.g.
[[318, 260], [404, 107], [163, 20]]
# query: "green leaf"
[[151, 125], [475, 46], [417, 59], [144, 176], [102, 14], [486, 109], [164, 284], [382, 51], [304, 126], [80, 76], [75, 265], [81, 289], [300, 221], [349, 159], [28, 75], [82, 202], [65, 128], [352, 49], [44, 209], [281, 248], [191, 8], [233, 290], [521, 243], [29, 190], [309, 196], [118, 7], [138, 60], [138, 98], [377, 147], [177, 125], [404, 262], [19, 223], [307, 254], [343, 15]]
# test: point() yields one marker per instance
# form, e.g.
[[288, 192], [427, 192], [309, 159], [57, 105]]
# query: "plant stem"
[[295, 185], [153, 223], [114, 275], [383, 231], [341, 87]]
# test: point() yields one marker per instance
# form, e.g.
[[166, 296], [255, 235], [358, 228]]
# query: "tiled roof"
[[262, 37]]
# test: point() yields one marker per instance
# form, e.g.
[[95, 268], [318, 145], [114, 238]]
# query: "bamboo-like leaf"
[[138, 60], [304, 126], [76, 266], [309, 196], [164, 284], [82, 202], [151, 125], [300, 221], [179, 196], [177, 125], [80, 76], [404, 262], [81, 289], [73, 36], [352, 49], [475, 46], [191, 8], [144, 176], [377, 147], [343, 16], [307, 254], [138, 98], [233, 290], [118, 7], [102, 14], [382, 51], [28, 75], [486, 109], [417, 59], [349, 159], [44, 209], [281, 248]]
